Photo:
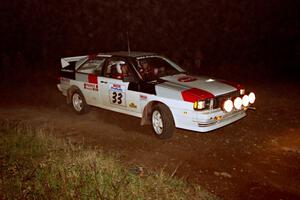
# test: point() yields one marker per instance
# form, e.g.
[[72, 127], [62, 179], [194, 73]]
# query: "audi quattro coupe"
[[153, 88]]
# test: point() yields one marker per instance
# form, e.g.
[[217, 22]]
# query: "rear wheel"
[[162, 121], [78, 102]]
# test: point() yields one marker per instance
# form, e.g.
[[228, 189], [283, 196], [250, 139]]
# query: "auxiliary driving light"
[[228, 105], [238, 102], [252, 97], [245, 100]]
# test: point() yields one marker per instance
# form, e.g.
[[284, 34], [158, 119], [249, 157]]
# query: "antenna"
[[128, 43], [127, 23]]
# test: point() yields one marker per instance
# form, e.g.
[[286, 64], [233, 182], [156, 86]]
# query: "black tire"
[[78, 107], [165, 128]]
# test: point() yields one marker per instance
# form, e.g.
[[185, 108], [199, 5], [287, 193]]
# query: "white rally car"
[[153, 88]]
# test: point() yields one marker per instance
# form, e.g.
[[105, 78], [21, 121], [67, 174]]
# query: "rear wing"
[[68, 60]]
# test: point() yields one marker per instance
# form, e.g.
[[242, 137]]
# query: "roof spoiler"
[[66, 61]]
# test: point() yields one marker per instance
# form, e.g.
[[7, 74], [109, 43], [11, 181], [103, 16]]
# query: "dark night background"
[[254, 42], [239, 38]]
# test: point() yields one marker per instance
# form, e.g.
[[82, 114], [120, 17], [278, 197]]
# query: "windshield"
[[151, 68]]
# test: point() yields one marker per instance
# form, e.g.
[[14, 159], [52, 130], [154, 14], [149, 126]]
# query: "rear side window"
[[93, 66]]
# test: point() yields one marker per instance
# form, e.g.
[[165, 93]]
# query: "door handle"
[[103, 82]]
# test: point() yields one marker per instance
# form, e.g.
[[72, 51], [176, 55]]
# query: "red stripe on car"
[[233, 84], [187, 79], [195, 94], [92, 78]]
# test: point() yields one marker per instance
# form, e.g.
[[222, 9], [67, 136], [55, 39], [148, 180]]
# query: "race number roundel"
[[117, 97], [117, 94]]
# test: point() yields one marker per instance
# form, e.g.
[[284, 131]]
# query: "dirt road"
[[255, 158]]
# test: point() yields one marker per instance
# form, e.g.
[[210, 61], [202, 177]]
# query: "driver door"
[[114, 90]]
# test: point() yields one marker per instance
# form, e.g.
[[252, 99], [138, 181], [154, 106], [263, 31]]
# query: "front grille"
[[218, 101]]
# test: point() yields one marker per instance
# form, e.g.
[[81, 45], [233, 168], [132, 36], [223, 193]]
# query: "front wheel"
[[162, 121], [78, 102]]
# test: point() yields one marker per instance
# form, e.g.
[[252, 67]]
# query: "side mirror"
[[129, 79]]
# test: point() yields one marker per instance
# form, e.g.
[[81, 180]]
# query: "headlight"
[[199, 105], [242, 91], [245, 100], [228, 105], [238, 102], [252, 97]]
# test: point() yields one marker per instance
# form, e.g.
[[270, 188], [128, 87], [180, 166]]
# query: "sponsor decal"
[[150, 56], [143, 97], [132, 105], [117, 88], [91, 86], [67, 70], [186, 79], [195, 94]]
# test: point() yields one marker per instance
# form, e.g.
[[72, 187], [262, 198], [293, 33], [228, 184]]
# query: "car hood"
[[177, 86]]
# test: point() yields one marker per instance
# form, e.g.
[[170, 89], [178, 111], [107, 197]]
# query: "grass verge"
[[34, 164]]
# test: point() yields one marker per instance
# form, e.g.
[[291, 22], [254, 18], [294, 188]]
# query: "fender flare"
[[70, 92], [146, 116]]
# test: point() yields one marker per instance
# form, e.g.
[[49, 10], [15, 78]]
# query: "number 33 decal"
[[117, 97]]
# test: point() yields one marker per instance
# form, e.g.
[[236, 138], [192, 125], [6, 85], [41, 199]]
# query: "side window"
[[117, 69], [93, 66]]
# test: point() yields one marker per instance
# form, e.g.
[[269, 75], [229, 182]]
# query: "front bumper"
[[219, 121], [204, 122]]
